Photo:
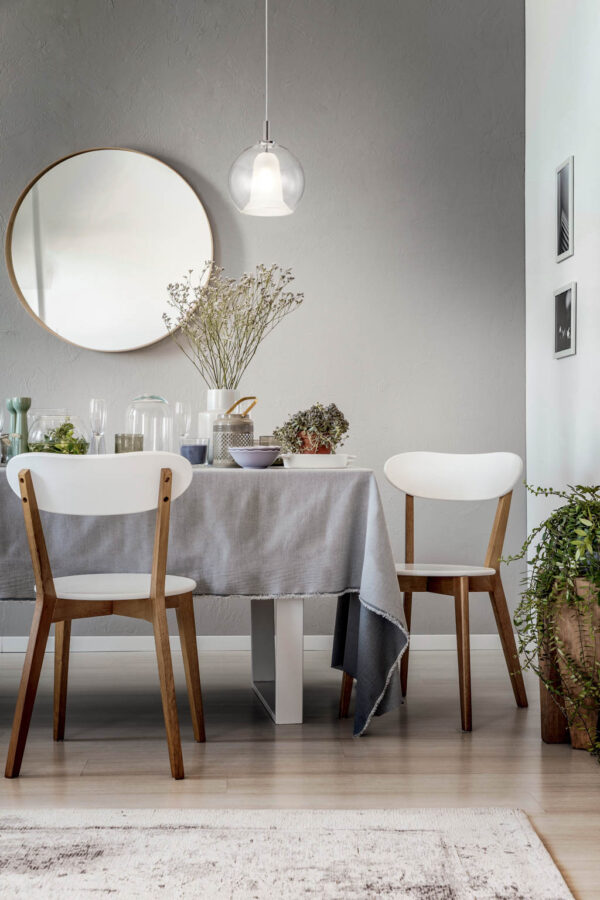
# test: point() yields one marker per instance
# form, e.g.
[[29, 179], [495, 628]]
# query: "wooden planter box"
[[581, 644]]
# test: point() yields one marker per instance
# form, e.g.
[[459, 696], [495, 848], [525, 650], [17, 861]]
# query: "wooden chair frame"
[[51, 609], [460, 588]]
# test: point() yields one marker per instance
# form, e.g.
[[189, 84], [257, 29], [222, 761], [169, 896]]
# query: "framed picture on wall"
[[564, 210], [565, 320]]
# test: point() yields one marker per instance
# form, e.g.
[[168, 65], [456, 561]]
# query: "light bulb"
[[266, 193], [266, 180]]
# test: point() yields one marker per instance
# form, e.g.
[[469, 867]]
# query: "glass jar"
[[56, 431], [151, 416]]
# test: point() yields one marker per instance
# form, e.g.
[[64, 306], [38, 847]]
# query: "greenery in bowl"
[[318, 429], [560, 601], [61, 439]]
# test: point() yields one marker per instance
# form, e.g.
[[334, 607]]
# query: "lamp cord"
[[266, 65]]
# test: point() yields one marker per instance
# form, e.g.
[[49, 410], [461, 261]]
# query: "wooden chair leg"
[[404, 660], [507, 638], [167, 688], [189, 648], [461, 609], [38, 638], [345, 695], [62, 643]]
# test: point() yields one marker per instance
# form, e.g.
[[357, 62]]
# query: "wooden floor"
[[115, 755]]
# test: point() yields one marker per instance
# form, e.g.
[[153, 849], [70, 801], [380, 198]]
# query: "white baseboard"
[[222, 643]]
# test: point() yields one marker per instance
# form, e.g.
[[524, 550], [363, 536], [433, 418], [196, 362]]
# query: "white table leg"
[[277, 657]]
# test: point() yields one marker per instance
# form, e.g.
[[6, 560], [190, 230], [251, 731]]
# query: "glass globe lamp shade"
[[266, 180]]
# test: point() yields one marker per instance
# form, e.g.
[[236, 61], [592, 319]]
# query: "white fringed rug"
[[427, 854]]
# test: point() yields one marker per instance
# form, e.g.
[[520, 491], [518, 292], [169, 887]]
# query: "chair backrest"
[[454, 476], [104, 485]]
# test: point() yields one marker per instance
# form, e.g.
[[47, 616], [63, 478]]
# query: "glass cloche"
[[56, 431], [151, 416]]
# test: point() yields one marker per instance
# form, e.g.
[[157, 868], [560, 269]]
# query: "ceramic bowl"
[[255, 457]]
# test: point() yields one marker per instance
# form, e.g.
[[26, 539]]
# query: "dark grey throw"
[[250, 533]]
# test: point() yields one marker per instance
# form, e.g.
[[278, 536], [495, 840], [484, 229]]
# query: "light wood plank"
[[417, 757]]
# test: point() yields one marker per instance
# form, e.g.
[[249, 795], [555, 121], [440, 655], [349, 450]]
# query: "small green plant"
[[61, 440], [565, 552], [318, 429]]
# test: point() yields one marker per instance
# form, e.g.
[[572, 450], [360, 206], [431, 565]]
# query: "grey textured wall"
[[408, 118]]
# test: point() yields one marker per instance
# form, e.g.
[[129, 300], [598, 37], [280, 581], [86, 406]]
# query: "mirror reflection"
[[94, 241]]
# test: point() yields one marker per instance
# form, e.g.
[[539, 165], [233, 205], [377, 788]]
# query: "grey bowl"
[[255, 457]]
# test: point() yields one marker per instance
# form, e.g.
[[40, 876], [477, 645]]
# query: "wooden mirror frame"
[[9, 234]]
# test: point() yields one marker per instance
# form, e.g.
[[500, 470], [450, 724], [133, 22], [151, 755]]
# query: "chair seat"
[[117, 586], [440, 570]]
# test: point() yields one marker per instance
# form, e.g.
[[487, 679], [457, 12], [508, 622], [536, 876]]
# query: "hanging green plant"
[[558, 617]]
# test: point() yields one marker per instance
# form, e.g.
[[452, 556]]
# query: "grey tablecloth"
[[253, 533]]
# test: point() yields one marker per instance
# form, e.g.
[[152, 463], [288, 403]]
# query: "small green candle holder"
[[18, 438]]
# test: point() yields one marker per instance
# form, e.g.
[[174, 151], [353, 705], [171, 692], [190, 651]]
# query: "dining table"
[[274, 536]]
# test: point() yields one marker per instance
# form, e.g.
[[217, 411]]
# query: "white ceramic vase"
[[217, 401], [220, 400]]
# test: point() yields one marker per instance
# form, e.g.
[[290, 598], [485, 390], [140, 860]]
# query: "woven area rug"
[[428, 854]]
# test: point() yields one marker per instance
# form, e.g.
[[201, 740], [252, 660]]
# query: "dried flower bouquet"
[[220, 323]]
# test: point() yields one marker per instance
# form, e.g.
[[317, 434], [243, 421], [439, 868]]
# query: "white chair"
[[104, 486], [457, 476]]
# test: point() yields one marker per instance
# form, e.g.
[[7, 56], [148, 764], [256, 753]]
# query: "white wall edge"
[[224, 643]]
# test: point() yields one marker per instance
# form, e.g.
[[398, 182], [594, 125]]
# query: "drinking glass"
[[129, 443], [97, 422], [183, 419], [195, 450]]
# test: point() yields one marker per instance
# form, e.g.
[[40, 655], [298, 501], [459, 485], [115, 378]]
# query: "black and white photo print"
[[565, 320], [564, 210]]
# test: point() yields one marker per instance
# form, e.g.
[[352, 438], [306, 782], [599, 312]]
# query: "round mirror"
[[94, 241]]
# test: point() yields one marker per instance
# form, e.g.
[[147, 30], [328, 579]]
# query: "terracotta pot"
[[582, 645], [311, 444]]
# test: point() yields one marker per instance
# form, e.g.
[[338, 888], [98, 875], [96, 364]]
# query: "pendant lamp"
[[266, 179]]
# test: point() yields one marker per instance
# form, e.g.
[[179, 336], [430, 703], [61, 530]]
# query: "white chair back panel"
[[454, 476], [105, 485]]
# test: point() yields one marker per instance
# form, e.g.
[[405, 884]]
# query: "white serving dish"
[[317, 460]]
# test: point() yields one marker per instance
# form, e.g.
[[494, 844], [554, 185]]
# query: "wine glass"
[[183, 419], [97, 422], [2, 445]]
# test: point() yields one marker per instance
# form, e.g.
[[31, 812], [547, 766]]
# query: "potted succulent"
[[320, 429], [558, 618]]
